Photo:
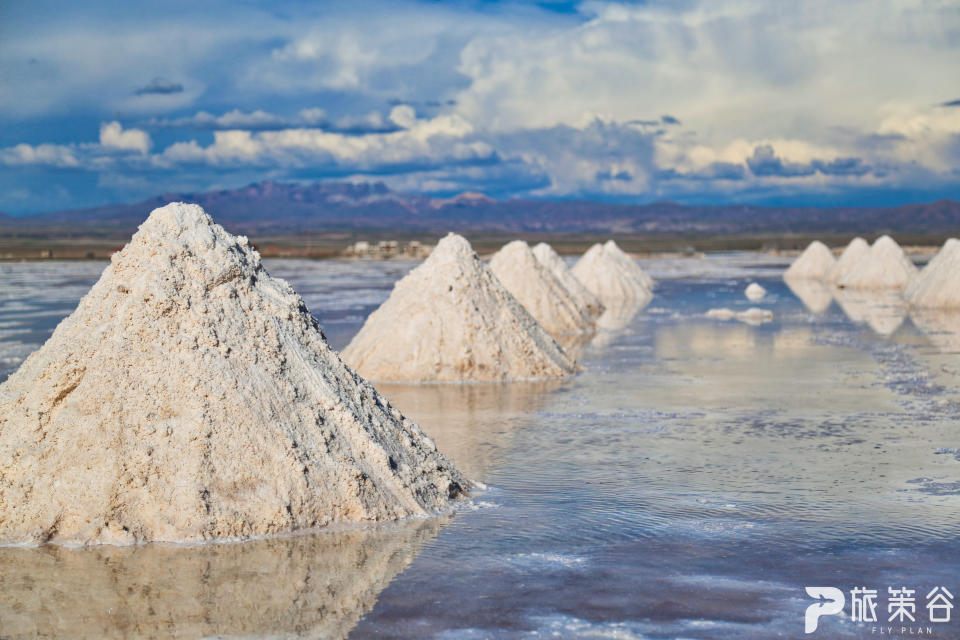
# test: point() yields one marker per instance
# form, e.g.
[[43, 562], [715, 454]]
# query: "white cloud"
[[114, 136], [54, 155]]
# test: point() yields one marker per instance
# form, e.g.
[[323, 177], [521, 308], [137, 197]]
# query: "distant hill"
[[274, 208]]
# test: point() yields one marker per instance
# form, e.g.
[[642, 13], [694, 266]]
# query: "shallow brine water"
[[688, 484]]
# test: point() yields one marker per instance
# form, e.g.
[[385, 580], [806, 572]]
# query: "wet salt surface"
[[688, 484]]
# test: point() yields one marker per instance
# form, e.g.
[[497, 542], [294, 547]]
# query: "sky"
[[814, 102]]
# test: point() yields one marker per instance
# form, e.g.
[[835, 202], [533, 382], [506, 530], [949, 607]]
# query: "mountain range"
[[277, 208]]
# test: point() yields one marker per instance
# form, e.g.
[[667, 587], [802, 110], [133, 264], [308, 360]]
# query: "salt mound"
[[722, 313], [885, 266], [938, 285], [584, 299], [752, 316], [190, 397], [815, 261], [539, 291], [853, 252], [611, 275], [451, 320], [754, 292]]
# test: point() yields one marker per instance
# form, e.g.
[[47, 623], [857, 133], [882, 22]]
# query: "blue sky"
[[711, 101]]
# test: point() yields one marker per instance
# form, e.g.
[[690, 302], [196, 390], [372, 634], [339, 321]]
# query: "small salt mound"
[[721, 314], [608, 273], [752, 316], [451, 320], [552, 261], [191, 397], [754, 292], [938, 285], [539, 291], [885, 266], [853, 252], [815, 261]]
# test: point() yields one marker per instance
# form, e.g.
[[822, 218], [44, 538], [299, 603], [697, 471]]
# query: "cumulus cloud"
[[444, 139], [644, 100], [259, 120], [53, 155], [114, 136]]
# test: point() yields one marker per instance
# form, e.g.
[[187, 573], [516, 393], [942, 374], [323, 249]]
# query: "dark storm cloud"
[[841, 167], [160, 86], [765, 163], [714, 171]]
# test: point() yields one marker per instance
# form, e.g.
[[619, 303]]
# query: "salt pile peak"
[[630, 265], [885, 266], [552, 261], [451, 320], [938, 285], [539, 291], [754, 292], [191, 396], [852, 253], [815, 262], [611, 275]]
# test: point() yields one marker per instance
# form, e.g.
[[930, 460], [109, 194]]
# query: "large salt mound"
[[552, 261], [853, 252], [815, 262], [609, 274], [938, 285], [885, 266], [451, 320], [539, 291], [190, 397]]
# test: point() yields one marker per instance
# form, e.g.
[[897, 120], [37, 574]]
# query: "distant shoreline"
[[334, 244]]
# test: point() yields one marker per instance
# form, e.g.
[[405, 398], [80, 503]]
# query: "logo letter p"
[[831, 601]]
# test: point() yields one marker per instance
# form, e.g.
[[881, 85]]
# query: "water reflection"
[[882, 311], [940, 326], [473, 424], [309, 585], [619, 313], [814, 295]]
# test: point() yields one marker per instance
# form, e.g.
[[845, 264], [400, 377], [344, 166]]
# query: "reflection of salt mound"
[[885, 266], [611, 275], [941, 326], [451, 320], [882, 311], [191, 396], [857, 248], [539, 291], [472, 423], [754, 292], [815, 261], [316, 586], [938, 285], [620, 311], [814, 294], [585, 300]]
